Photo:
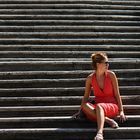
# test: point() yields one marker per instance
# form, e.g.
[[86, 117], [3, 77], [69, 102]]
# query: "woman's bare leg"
[[100, 118], [96, 114], [90, 111], [111, 122]]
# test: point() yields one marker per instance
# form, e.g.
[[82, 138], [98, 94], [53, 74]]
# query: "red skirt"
[[111, 110]]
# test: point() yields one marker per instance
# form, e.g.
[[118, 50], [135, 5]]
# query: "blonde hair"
[[97, 57]]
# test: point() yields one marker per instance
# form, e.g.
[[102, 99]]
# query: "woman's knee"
[[87, 107], [99, 107], [90, 113], [84, 106]]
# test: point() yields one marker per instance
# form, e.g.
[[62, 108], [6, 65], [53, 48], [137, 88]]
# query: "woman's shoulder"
[[90, 76], [111, 74]]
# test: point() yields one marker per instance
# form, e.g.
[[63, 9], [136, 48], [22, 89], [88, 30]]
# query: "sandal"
[[99, 136], [113, 123]]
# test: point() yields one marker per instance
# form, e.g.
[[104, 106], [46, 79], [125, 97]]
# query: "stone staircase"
[[45, 48]]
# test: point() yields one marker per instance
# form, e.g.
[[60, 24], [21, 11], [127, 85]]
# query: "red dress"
[[104, 97]]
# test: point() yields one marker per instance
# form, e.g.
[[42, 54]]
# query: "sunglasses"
[[105, 62]]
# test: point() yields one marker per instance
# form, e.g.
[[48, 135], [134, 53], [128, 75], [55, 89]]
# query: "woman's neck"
[[100, 73]]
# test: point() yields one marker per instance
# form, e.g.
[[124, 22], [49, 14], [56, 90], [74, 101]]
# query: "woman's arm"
[[117, 95], [87, 89]]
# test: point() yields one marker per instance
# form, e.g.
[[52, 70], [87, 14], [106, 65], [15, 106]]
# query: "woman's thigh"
[[89, 111]]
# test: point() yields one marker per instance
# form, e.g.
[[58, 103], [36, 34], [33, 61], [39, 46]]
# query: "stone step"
[[70, 17], [70, 41], [32, 22], [63, 74], [60, 122], [49, 92], [112, 60], [69, 12], [69, 35], [89, 29], [79, 5], [117, 2], [65, 54], [64, 65], [70, 48], [63, 100], [50, 83], [55, 59], [124, 133], [43, 83], [37, 111]]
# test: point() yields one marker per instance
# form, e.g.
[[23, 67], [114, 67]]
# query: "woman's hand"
[[122, 117]]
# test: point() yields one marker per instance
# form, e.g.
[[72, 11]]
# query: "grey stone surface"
[[45, 48]]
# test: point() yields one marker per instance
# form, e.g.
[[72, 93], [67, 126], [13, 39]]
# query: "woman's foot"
[[99, 136], [112, 123]]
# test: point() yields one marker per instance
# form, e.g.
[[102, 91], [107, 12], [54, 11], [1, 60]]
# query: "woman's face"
[[103, 65]]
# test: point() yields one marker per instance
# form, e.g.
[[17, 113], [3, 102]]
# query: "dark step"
[[60, 122], [43, 83], [69, 12], [50, 83], [49, 74], [69, 35], [124, 133], [70, 48], [79, 5], [29, 111], [64, 65], [63, 100], [68, 60], [68, 22], [49, 92], [65, 54], [70, 41], [75, 29], [121, 73], [116, 2], [70, 17], [44, 59]]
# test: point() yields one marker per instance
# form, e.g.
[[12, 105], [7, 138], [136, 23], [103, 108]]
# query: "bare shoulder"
[[111, 74], [89, 77]]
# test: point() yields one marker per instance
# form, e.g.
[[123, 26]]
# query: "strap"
[[99, 136]]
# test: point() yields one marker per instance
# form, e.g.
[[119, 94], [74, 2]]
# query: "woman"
[[108, 103]]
